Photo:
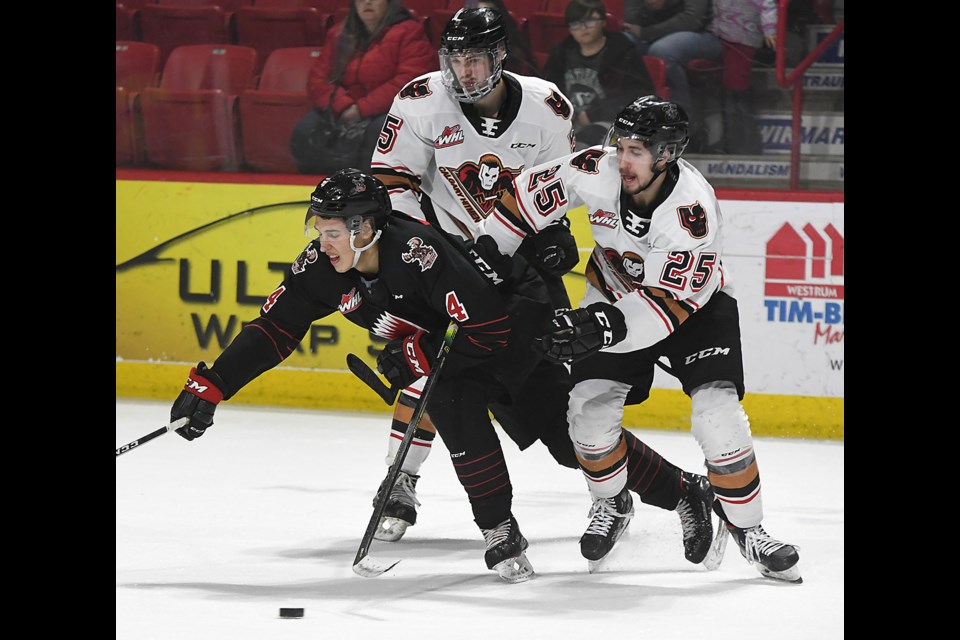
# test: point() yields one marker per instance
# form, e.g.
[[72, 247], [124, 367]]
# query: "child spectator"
[[598, 70]]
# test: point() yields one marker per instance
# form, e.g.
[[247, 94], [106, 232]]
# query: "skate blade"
[[595, 566], [791, 575], [717, 549], [391, 529], [370, 568], [515, 570]]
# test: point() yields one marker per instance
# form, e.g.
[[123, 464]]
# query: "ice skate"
[[772, 558], [506, 552], [401, 509], [609, 519], [695, 514]]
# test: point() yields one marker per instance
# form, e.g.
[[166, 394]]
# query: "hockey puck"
[[291, 613]]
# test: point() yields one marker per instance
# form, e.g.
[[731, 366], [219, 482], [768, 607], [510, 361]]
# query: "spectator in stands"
[[367, 58], [675, 30], [520, 59], [743, 26], [598, 70]]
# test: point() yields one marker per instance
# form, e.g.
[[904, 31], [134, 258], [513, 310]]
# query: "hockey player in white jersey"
[[452, 143], [656, 289]]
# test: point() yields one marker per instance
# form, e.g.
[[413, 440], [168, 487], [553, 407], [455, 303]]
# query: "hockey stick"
[[364, 565], [367, 376], [173, 426]]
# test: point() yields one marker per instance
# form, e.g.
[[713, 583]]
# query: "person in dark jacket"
[[598, 70], [366, 59]]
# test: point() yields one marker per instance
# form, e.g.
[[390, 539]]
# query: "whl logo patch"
[[350, 301], [603, 218], [450, 136]]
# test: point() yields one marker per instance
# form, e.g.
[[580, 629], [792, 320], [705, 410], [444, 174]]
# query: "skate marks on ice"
[[214, 535]]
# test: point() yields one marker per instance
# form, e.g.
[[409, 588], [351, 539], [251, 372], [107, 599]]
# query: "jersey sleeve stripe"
[[509, 226]]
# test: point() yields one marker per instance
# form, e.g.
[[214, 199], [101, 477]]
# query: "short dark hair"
[[580, 9]]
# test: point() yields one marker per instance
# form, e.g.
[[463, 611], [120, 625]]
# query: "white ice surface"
[[267, 510]]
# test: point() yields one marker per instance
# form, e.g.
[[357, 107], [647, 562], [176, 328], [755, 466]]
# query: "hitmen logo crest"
[[308, 256], [478, 185], [419, 252], [628, 267]]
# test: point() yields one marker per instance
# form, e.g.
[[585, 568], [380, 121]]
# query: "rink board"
[[195, 260]]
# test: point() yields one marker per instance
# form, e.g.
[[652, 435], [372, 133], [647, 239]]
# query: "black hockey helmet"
[[476, 28], [352, 195], [659, 124], [473, 32]]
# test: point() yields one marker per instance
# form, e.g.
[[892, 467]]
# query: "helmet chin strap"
[[357, 252], [656, 173]]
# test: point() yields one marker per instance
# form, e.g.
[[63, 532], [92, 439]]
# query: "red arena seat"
[[191, 120]]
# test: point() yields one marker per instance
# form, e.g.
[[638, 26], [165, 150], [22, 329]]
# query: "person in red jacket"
[[367, 58]]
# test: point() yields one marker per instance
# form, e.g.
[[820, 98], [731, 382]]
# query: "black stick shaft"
[[367, 376], [394, 471], [150, 436]]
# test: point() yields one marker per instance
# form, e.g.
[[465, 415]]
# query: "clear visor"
[[310, 229], [470, 74], [614, 135], [310, 225]]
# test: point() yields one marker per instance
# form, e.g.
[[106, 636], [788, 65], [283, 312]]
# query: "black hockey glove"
[[403, 361], [557, 248], [198, 400], [575, 334], [485, 253]]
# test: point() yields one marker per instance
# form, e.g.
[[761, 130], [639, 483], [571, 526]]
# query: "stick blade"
[[366, 375], [370, 568]]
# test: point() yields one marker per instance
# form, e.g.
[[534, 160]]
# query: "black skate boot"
[[695, 517], [506, 551], [401, 509], [772, 558], [609, 519]]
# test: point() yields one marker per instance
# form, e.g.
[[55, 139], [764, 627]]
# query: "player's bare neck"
[[369, 262], [489, 106]]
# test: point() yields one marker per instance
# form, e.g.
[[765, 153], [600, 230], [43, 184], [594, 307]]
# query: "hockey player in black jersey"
[[452, 143], [404, 281]]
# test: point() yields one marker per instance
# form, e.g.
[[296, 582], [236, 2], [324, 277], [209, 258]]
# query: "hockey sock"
[[419, 447], [486, 480], [604, 471], [650, 475]]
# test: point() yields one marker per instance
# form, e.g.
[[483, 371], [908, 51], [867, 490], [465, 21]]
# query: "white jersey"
[[657, 270], [460, 161]]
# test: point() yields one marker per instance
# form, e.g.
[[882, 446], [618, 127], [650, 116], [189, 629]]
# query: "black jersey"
[[424, 282]]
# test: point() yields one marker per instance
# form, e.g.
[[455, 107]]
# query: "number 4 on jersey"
[[455, 309]]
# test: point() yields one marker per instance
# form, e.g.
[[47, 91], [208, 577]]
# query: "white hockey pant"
[[720, 425], [595, 416]]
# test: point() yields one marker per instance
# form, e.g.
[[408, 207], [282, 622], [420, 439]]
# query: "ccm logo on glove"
[[206, 391], [412, 348], [198, 401], [604, 322], [404, 360]]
